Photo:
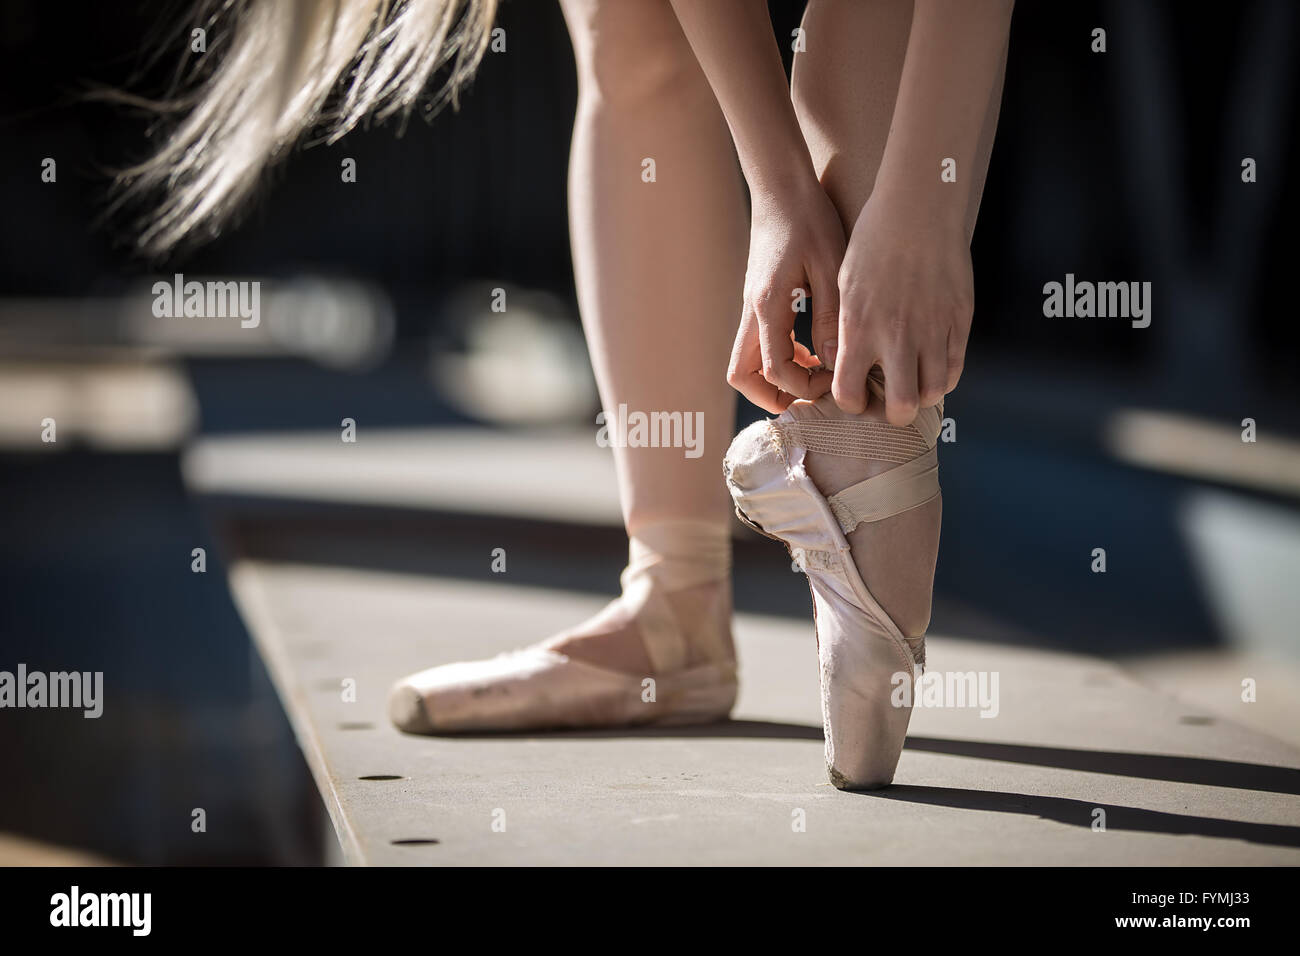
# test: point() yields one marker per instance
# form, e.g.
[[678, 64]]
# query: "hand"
[[906, 302], [796, 242]]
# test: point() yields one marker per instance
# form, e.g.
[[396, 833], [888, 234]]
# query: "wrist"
[[789, 185], [780, 170], [931, 206]]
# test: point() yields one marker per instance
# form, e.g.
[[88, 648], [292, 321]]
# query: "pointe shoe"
[[539, 688], [862, 653]]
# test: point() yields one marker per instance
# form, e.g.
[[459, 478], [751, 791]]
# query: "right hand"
[[796, 242]]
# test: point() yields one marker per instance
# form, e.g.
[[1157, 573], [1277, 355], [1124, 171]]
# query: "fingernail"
[[827, 354]]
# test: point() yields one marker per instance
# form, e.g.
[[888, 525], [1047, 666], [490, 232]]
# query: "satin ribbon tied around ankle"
[[664, 557]]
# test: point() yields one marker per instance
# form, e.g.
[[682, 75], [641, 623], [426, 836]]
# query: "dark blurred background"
[[1072, 434]]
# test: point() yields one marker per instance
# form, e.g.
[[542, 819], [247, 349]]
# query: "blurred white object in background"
[[343, 324], [340, 323], [524, 365], [1181, 444], [124, 403], [1247, 553]]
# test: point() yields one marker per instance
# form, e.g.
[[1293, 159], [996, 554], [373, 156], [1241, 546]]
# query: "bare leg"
[[844, 90], [660, 268]]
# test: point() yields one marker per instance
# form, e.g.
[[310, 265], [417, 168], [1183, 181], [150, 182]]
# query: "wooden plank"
[[1073, 734]]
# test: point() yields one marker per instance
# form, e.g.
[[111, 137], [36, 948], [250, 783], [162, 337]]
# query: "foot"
[[895, 556], [856, 501], [660, 653]]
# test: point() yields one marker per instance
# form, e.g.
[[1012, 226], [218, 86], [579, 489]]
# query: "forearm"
[[952, 71], [735, 46]]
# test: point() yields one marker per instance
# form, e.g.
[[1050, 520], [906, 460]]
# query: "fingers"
[[914, 356], [856, 351], [775, 319], [956, 352], [852, 363], [932, 372], [901, 398], [898, 360], [745, 371], [826, 315], [914, 379], [803, 357]]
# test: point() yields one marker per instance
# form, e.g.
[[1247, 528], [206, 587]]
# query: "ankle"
[[703, 613]]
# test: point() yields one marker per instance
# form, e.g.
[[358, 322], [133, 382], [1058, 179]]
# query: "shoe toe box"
[[406, 709]]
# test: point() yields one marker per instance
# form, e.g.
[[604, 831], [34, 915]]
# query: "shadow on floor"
[[1198, 770], [1204, 771], [1081, 813]]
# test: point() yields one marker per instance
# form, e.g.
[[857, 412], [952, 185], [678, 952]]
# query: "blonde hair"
[[284, 59]]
